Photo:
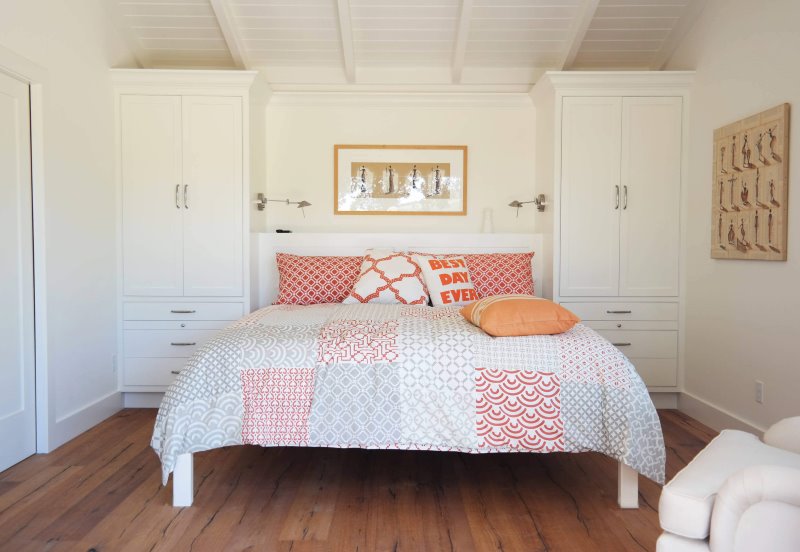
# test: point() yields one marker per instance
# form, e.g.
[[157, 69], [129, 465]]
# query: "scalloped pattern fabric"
[[389, 278], [519, 409], [309, 280]]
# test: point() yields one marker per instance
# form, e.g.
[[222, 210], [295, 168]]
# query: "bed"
[[405, 377]]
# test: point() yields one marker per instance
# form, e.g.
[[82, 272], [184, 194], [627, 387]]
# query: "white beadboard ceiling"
[[405, 42]]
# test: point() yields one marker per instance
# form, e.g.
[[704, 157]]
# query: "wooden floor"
[[103, 492]]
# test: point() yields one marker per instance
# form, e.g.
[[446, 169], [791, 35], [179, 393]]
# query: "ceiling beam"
[[677, 34], [225, 20], [580, 24], [460, 45], [346, 36]]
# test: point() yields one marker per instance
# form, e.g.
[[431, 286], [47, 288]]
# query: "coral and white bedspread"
[[406, 377]]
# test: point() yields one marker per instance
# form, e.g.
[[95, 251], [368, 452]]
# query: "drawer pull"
[[621, 344], [618, 312], [183, 344], [176, 372], [179, 311]]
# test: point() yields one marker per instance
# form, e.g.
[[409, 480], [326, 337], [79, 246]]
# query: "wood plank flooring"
[[102, 492]]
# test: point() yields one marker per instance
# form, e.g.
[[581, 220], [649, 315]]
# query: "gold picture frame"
[[750, 188], [399, 180]]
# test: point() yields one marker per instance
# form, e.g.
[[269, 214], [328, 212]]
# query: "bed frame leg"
[[627, 487], [183, 481]]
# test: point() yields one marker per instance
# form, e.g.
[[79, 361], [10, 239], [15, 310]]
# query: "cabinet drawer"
[[644, 344], [176, 324], [631, 324], [152, 371], [164, 343], [657, 372], [623, 310], [183, 311]]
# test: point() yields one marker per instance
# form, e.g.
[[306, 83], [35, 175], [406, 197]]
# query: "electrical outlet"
[[759, 392]]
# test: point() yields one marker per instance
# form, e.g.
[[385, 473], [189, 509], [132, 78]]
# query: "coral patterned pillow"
[[447, 280], [497, 273], [501, 273], [388, 277], [305, 280]]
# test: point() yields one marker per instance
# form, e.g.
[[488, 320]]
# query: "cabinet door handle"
[[618, 312], [616, 206], [177, 200], [183, 343], [180, 311], [176, 372], [625, 198], [621, 344], [185, 196]]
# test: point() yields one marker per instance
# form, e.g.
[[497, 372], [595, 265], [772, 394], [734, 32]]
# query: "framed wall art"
[[399, 180], [750, 188]]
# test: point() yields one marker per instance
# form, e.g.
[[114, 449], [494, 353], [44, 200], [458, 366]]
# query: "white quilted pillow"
[[389, 278]]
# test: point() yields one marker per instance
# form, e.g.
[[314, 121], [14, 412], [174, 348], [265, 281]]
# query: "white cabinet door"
[[651, 179], [212, 183], [17, 370], [590, 200], [152, 243]]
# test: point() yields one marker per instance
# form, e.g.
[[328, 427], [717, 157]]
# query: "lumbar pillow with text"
[[515, 315], [390, 278], [447, 279]]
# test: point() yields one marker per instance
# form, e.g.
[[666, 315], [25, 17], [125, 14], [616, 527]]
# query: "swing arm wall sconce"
[[539, 202]]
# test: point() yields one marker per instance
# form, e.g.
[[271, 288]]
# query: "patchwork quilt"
[[406, 377]]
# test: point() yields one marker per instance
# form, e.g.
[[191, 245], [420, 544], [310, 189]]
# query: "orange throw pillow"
[[514, 315]]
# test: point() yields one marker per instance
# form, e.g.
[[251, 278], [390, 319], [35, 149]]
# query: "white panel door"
[[651, 180], [212, 178], [152, 201], [17, 370], [590, 196]]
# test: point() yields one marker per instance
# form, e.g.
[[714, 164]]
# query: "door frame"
[[35, 76]]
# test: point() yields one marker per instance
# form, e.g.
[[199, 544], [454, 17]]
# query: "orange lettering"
[[460, 277], [446, 279], [446, 297], [435, 265]]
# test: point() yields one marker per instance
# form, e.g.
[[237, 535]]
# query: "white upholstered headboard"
[[264, 277]]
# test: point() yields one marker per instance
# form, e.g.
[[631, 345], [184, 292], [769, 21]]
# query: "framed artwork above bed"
[[399, 180]]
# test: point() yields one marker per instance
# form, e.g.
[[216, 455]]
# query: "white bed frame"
[[264, 278]]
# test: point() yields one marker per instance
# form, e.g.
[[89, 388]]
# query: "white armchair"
[[737, 495]]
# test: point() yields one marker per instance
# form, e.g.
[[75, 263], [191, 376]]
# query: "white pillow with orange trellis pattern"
[[389, 278]]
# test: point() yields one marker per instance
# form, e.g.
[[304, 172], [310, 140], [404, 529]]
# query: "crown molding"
[[398, 98], [617, 80], [182, 78]]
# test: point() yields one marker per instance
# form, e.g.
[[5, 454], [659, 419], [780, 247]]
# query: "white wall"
[[75, 44], [301, 133], [742, 317]]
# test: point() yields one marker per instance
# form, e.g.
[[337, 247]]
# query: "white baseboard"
[[713, 416], [142, 400], [73, 424], [664, 400]]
